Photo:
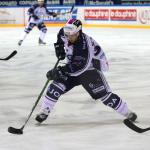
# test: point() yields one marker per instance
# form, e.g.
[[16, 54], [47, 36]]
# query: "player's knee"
[[112, 100], [29, 27], [44, 30], [27, 30], [54, 91], [98, 92]]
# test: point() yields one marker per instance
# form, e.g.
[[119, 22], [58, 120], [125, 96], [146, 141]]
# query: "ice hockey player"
[[36, 13], [85, 65]]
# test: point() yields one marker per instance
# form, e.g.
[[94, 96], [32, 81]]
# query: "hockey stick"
[[20, 131], [10, 56], [135, 128], [71, 10]]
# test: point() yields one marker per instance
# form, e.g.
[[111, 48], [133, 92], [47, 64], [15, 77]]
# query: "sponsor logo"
[[96, 14], [8, 3], [123, 14], [97, 90], [110, 14], [91, 85], [144, 16], [6, 17], [4, 12], [64, 15]]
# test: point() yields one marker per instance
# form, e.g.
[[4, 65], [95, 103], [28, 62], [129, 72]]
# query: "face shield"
[[71, 32], [41, 2]]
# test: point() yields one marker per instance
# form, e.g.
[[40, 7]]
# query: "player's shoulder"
[[45, 6], [61, 31], [90, 39], [86, 36], [35, 5]]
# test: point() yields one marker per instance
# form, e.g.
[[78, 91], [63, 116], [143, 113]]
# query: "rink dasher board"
[[91, 16]]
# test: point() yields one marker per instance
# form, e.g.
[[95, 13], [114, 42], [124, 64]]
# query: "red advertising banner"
[[96, 14], [123, 14]]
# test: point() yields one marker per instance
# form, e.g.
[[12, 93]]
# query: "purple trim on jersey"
[[50, 99]]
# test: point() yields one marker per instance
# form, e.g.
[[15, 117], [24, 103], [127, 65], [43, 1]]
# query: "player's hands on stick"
[[54, 14], [35, 17], [50, 74], [59, 72], [19, 131]]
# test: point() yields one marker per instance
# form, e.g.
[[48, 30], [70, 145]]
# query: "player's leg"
[[27, 30], [43, 31], [55, 90], [96, 85]]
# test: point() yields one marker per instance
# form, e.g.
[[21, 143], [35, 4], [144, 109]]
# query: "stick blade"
[[15, 131], [135, 128], [11, 55]]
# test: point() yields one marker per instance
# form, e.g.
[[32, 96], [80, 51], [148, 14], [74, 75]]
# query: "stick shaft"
[[39, 97], [67, 12]]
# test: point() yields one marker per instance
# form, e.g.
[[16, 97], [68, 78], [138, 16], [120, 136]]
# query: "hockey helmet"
[[41, 1], [72, 27]]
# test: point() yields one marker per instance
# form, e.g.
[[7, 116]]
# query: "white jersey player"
[[36, 14], [86, 62]]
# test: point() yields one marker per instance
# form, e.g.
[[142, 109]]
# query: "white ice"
[[77, 122]]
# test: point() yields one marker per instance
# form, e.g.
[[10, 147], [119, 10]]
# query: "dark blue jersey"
[[82, 55]]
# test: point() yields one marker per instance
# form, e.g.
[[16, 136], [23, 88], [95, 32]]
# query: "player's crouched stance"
[[36, 13], [86, 62]]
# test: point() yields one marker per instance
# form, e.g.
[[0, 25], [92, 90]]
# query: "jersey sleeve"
[[51, 13], [31, 9], [47, 11], [60, 35], [99, 60]]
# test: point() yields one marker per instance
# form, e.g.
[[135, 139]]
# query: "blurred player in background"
[[36, 14], [86, 62]]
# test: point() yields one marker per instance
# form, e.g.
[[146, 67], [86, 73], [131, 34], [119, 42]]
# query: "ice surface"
[[77, 122]]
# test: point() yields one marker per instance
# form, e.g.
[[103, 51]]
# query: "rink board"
[[100, 16]]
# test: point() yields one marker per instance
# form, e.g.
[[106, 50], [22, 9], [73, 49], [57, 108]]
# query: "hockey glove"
[[59, 72], [54, 14], [60, 51], [50, 74], [35, 17]]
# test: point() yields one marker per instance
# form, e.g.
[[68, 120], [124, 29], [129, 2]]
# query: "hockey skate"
[[41, 42], [20, 42], [42, 116], [132, 116]]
